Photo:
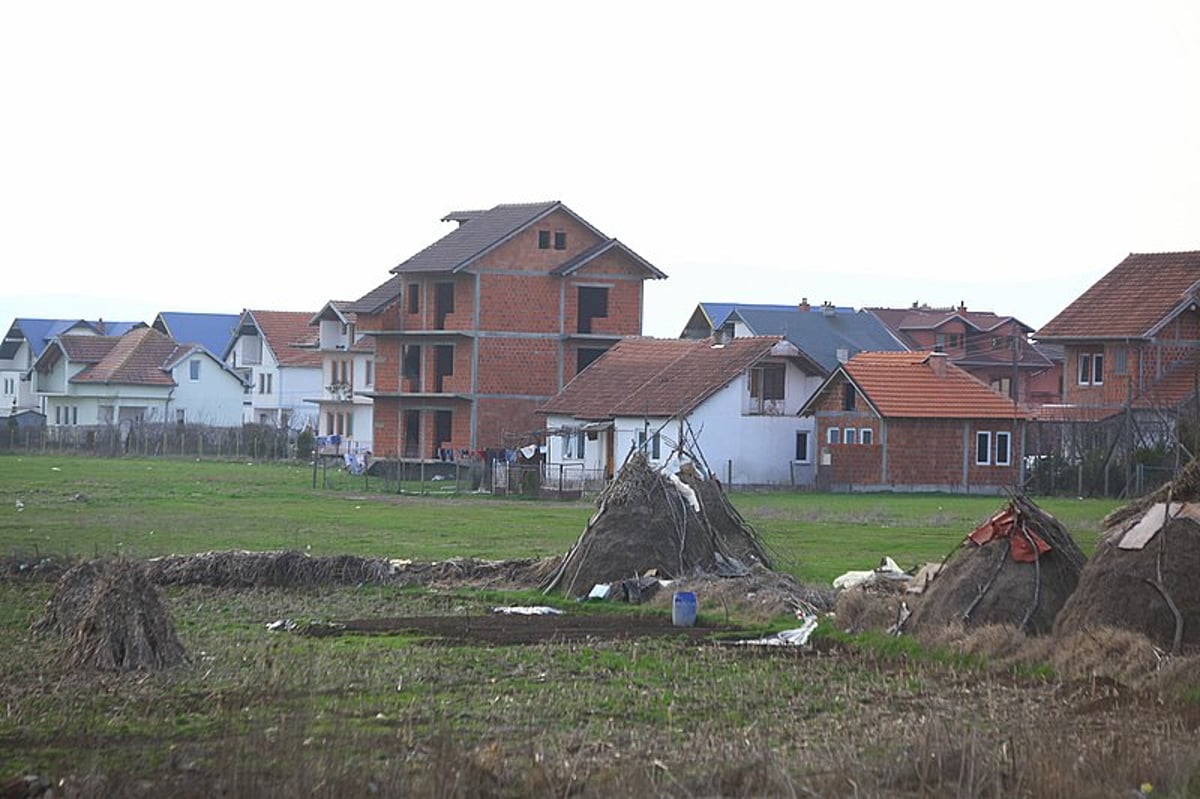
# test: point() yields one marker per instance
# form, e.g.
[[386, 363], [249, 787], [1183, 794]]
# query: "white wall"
[[215, 399], [740, 448]]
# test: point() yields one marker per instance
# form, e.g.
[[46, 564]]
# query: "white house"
[[25, 341], [735, 401], [348, 366], [142, 376], [276, 354]]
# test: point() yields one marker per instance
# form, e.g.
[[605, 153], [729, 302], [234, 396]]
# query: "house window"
[[412, 361], [983, 448], [543, 239], [1120, 361], [1003, 448], [1002, 385], [848, 394], [350, 424], [74, 414], [179, 414], [251, 350], [766, 381], [802, 446], [9, 386], [329, 423], [573, 445], [57, 414], [368, 373], [593, 304], [833, 436], [849, 435], [585, 356], [866, 436], [655, 451], [560, 240], [414, 297], [1091, 368], [264, 382], [194, 369]]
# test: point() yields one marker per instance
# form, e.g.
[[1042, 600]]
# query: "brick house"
[[733, 402], [912, 421], [996, 349], [478, 329], [1133, 338]]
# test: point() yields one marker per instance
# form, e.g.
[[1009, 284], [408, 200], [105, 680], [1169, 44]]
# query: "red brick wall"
[[521, 253], [385, 441], [924, 452], [518, 366], [920, 452], [502, 422], [519, 303]]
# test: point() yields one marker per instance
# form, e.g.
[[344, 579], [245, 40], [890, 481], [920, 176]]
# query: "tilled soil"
[[500, 629]]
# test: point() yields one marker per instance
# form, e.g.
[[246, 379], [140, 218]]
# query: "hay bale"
[[876, 605], [1115, 590], [288, 568], [644, 522], [71, 595], [113, 617], [986, 584]]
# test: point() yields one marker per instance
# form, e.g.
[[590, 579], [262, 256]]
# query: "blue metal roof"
[[213, 331], [40, 332], [821, 334]]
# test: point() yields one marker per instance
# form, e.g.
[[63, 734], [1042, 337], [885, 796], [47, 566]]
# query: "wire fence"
[[256, 442]]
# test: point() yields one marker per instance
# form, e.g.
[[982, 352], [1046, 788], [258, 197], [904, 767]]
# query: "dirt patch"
[[503, 630]]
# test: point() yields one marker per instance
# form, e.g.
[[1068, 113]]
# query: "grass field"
[[82, 506], [259, 713]]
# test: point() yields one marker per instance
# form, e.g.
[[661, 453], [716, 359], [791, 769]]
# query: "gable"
[[1131, 300]]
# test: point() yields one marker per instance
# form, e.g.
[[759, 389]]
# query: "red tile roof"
[[289, 336], [656, 377], [908, 385], [140, 357], [1131, 300], [87, 349]]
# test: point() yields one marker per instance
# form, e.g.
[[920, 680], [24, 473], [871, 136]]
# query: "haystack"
[[1145, 574], [1017, 568], [676, 526], [113, 618]]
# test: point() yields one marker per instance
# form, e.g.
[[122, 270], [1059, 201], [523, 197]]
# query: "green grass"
[[144, 507]]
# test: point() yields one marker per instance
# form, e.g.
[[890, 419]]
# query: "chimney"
[[804, 306], [937, 363], [843, 354], [827, 308], [962, 306]]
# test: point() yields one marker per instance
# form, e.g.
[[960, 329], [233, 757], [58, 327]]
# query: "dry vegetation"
[[255, 712]]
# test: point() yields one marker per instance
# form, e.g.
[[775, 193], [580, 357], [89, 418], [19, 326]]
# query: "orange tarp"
[[1008, 524]]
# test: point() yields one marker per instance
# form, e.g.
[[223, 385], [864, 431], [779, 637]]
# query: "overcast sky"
[[222, 155]]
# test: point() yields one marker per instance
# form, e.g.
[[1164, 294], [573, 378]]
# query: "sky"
[[275, 155]]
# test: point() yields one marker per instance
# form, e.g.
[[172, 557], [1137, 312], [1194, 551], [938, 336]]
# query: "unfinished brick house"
[[1133, 338], [994, 348], [477, 330], [912, 421]]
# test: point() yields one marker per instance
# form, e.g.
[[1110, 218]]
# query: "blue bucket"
[[683, 609]]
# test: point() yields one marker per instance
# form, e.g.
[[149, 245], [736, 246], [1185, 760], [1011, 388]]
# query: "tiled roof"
[[907, 385], [820, 335], [477, 233], [87, 349], [289, 336], [213, 331], [138, 358], [607, 245], [379, 297], [1131, 300], [926, 318], [656, 377]]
